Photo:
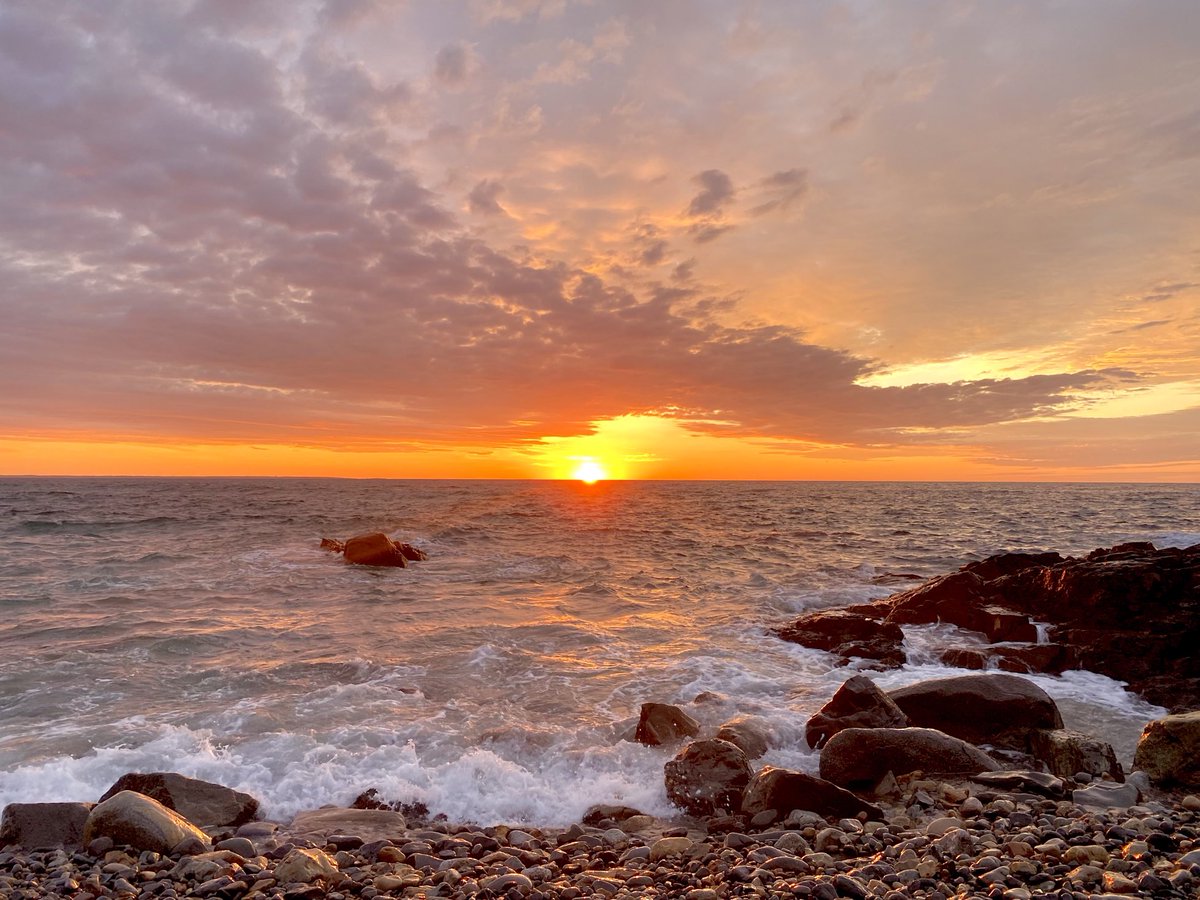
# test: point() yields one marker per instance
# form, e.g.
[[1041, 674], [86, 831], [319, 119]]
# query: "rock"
[[1067, 752], [35, 826], [707, 776], [1169, 750], [858, 703], [751, 734], [1097, 607], [141, 822], [669, 846], [662, 723], [197, 801], [1023, 781], [333, 546], [305, 866], [860, 757], [1105, 795], [783, 790], [603, 811], [980, 709], [849, 634], [377, 549], [368, 824]]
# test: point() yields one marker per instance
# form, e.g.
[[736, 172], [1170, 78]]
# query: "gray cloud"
[[484, 198], [716, 190], [452, 64]]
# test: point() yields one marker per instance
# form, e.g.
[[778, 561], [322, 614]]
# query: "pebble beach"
[[939, 839]]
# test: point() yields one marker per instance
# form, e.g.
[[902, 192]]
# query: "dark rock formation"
[[708, 776], [606, 812], [851, 633], [35, 826], [858, 758], [784, 790], [1097, 608], [1169, 750], [662, 723], [197, 801], [982, 709], [858, 703]]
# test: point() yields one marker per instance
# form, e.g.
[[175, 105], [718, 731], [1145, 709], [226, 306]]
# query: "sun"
[[589, 472]]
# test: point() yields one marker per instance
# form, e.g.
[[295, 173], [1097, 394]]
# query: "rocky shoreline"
[[953, 787]]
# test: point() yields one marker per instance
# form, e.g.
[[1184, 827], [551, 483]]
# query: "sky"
[[827, 239]]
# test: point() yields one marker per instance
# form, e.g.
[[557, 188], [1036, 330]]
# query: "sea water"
[[194, 625]]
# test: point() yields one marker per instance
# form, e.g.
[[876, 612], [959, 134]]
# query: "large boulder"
[[858, 758], [851, 634], [1066, 753], [35, 826], [377, 549], [662, 723], [784, 790], [749, 733], [858, 703], [707, 776], [1169, 750], [982, 709], [140, 822], [197, 801]]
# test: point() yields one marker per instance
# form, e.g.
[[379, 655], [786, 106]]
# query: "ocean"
[[193, 625]]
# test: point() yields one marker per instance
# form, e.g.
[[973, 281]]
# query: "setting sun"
[[589, 472]]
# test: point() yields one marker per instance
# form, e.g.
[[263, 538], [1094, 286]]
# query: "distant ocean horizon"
[[192, 624]]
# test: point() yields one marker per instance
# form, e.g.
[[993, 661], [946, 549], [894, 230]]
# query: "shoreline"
[[937, 838]]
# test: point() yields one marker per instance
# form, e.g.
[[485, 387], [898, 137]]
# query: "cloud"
[[241, 223], [453, 64], [483, 198], [716, 190]]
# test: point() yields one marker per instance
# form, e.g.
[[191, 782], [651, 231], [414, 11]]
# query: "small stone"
[[1116, 883], [239, 845], [938, 827], [972, 806], [1191, 802]]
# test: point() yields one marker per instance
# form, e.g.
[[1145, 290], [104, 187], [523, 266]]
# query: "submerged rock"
[[852, 634], [751, 734]]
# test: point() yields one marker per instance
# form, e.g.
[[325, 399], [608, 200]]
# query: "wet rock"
[[751, 734], [858, 703], [1066, 753], [850, 634], [377, 549], [605, 811], [1169, 750], [1028, 782], [42, 825], [981, 709], [783, 790], [708, 776], [197, 801], [141, 822], [860, 757], [662, 723]]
